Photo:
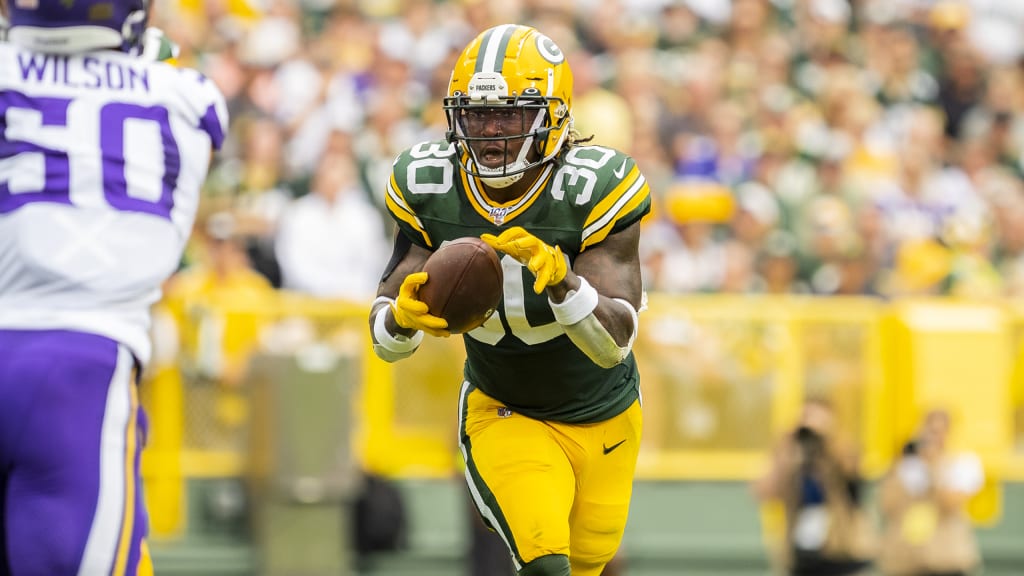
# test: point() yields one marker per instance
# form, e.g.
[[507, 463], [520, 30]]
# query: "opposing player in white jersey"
[[102, 155]]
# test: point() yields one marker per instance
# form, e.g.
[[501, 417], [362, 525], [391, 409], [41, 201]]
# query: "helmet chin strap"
[[501, 181]]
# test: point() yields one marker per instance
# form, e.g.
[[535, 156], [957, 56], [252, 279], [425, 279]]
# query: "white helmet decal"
[[489, 86], [549, 50]]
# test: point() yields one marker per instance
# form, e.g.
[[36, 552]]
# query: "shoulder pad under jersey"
[[607, 185], [422, 176]]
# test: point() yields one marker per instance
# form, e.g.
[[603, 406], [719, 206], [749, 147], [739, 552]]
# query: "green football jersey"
[[521, 356]]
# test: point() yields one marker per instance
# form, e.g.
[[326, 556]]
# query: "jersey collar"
[[500, 213]]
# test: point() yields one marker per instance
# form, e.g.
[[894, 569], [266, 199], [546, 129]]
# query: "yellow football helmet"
[[516, 81]]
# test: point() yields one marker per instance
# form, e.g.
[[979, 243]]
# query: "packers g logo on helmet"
[[549, 50], [517, 67]]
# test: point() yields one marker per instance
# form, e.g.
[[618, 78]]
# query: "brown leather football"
[[463, 283]]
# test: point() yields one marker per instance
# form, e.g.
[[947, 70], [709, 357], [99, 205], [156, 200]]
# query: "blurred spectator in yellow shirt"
[[683, 251], [218, 344]]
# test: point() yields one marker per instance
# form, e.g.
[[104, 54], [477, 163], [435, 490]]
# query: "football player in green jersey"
[[550, 415]]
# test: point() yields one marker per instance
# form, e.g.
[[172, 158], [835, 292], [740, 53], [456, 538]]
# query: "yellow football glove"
[[411, 312], [546, 262]]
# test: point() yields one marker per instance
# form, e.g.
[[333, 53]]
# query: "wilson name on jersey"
[[102, 157], [521, 356]]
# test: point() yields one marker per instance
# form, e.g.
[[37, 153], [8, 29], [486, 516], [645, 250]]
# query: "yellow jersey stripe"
[[628, 202], [474, 192], [394, 193], [613, 197], [128, 520], [145, 561], [397, 206]]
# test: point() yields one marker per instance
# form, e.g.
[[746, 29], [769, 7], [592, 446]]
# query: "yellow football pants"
[[549, 487]]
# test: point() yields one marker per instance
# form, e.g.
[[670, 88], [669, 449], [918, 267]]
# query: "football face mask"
[[501, 140], [522, 79]]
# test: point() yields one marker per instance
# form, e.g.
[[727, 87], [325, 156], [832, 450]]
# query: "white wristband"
[[381, 300], [395, 343], [577, 305]]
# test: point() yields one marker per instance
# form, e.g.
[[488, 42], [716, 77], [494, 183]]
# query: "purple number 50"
[[53, 112], [58, 167]]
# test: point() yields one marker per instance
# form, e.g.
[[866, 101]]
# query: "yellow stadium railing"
[[722, 377]]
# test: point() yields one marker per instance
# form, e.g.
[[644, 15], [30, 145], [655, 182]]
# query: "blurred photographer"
[[817, 481], [923, 501]]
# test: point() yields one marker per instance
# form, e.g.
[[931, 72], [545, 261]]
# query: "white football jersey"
[[102, 156]]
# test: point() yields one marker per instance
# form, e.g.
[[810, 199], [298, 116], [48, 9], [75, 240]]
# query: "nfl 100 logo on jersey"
[[498, 215], [590, 191]]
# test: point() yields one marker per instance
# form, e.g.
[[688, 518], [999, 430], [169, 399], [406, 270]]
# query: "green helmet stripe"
[[492, 48]]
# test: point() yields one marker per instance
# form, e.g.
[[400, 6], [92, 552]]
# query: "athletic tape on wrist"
[[396, 343], [577, 305]]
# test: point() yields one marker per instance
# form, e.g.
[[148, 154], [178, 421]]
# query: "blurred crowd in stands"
[[825, 147]]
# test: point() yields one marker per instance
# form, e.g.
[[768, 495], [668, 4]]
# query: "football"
[[463, 283]]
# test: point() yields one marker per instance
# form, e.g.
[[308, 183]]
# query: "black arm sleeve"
[[401, 248]]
